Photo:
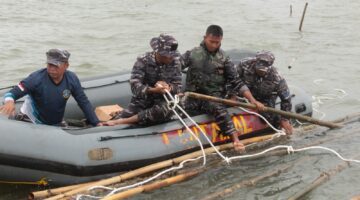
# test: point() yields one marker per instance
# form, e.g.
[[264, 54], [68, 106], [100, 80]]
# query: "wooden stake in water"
[[303, 15], [290, 10]]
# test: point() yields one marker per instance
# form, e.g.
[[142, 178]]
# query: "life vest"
[[206, 71]]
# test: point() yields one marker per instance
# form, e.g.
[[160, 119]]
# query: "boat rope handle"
[[42, 182], [172, 104]]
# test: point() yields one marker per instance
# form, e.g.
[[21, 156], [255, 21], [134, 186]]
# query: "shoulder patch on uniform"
[[66, 94]]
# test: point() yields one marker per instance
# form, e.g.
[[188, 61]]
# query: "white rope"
[[175, 104], [197, 125], [327, 96], [290, 150]]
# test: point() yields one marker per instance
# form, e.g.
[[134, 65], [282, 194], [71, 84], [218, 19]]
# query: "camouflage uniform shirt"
[[152, 108], [209, 73], [265, 89]]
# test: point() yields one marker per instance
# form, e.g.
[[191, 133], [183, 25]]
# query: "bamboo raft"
[[69, 191]]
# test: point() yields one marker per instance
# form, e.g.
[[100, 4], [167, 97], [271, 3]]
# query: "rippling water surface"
[[106, 36]]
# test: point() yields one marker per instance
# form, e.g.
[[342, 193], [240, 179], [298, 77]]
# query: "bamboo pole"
[[348, 118], [342, 120], [115, 179], [153, 167], [303, 16], [51, 192], [267, 109], [153, 186], [253, 181], [324, 176]]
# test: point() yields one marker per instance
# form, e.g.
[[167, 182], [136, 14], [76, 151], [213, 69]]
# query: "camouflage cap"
[[165, 45], [265, 56], [57, 56]]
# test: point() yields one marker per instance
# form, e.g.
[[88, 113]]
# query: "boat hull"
[[73, 156]]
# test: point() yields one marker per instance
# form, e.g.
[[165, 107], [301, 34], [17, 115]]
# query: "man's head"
[[57, 62], [213, 37], [165, 46], [264, 60]]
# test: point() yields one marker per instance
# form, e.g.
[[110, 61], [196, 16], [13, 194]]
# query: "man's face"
[[262, 67], [164, 59], [260, 73], [57, 72], [212, 42]]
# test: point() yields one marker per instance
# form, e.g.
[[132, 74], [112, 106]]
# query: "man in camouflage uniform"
[[152, 74], [210, 69], [266, 84]]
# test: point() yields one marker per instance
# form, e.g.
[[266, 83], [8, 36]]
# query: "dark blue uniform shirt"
[[49, 99]]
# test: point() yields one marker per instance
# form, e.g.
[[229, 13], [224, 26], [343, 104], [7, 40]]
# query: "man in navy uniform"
[[47, 91], [153, 73], [266, 84]]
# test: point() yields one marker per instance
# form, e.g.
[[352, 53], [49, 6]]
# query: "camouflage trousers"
[[149, 111], [218, 111], [273, 119]]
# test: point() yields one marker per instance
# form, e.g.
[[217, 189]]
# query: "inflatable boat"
[[65, 155]]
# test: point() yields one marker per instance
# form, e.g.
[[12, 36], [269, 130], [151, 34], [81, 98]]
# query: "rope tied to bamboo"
[[290, 150]]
